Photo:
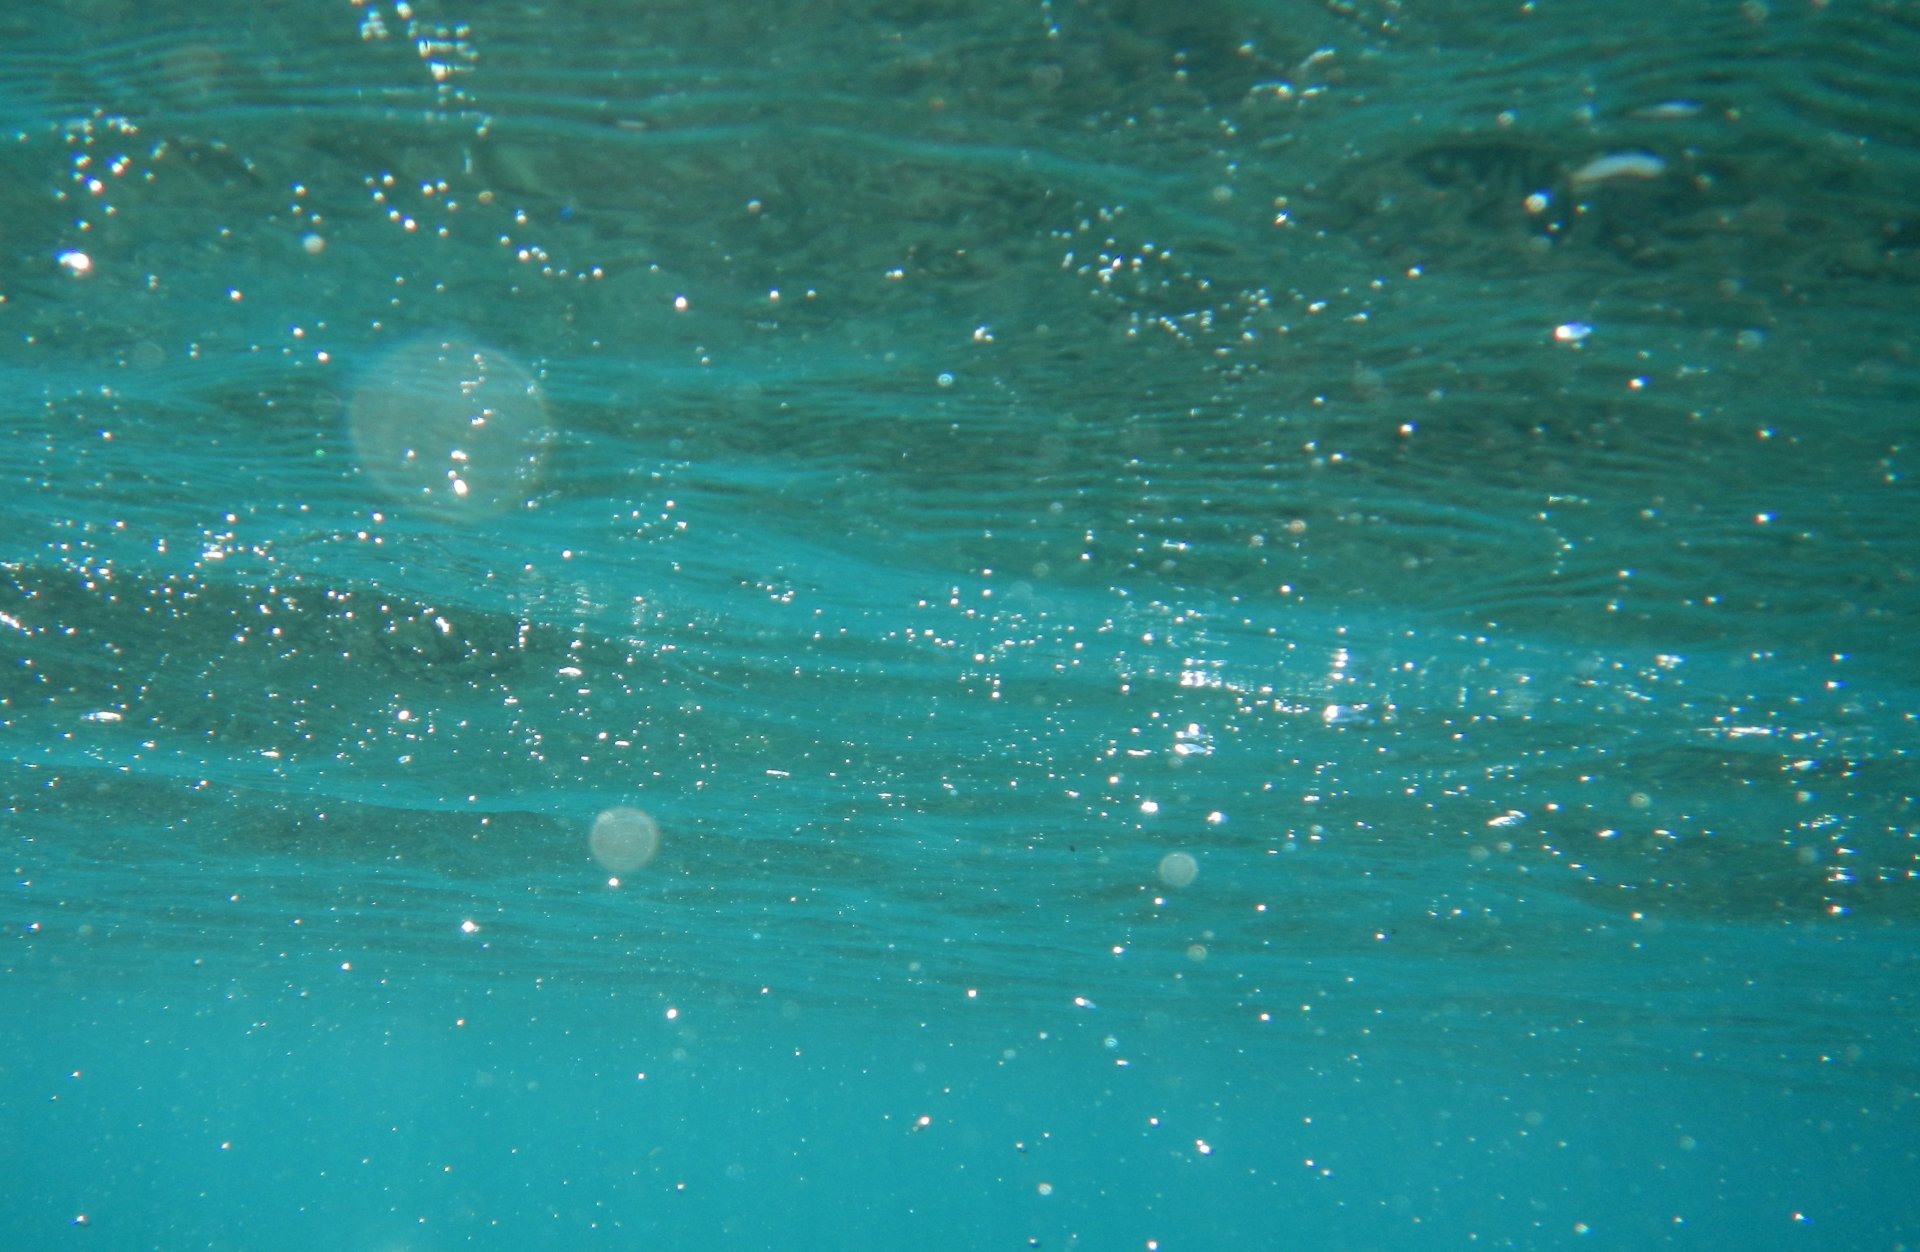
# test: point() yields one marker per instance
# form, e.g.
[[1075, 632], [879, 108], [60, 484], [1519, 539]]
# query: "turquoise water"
[[1246, 626]]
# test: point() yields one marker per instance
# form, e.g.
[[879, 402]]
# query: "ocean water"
[[1237, 625]]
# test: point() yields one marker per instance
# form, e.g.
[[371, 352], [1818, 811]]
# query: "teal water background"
[[942, 461]]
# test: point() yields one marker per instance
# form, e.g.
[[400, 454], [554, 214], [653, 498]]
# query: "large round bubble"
[[450, 425], [624, 839], [1179, 869]]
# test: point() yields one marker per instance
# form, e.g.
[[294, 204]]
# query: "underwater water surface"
[[1060, 623]]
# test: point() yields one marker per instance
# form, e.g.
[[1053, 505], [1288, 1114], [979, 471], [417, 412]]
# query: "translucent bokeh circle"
[[624, 839], [453, 426]]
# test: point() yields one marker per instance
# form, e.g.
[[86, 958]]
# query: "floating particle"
[[1617, 165]]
